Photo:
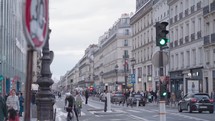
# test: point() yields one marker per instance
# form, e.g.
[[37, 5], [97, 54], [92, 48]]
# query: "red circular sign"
[[36, 22]]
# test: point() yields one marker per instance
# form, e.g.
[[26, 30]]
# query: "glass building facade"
[[13, 50]]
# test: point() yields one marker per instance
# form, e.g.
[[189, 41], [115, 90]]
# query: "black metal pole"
[[28, 84], [161, 69], [45, 98]]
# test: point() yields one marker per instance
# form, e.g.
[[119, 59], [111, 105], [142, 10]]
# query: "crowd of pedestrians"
[[11, 106]]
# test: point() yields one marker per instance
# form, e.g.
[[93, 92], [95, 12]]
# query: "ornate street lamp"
[[133, 61], [44, 98], [116, 70]]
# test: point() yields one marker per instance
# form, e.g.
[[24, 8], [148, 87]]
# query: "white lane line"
[[133, 111], [139, 118], [149, 111]]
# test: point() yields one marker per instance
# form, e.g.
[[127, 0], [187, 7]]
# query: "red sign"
[[36, 20]]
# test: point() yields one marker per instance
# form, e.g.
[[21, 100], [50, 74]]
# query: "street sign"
[[132, 78], [35, 22], [156, 60]]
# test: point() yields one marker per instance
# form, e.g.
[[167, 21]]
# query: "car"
[[118, 97], [196, 102], [132, 100]]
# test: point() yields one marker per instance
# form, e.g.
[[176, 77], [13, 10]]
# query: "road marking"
[[147, 110], [134, 111], [139, 118]]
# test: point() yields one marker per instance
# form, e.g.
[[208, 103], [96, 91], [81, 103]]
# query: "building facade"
[[143, 43], [12, 46], [112, 59], [209, 45], [186, 46]]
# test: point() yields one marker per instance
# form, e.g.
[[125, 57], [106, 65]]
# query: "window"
[[193, 26], [176, 34], [188, 58], [181, 33], [176, 60], [181, 7], [214, 26], [207, 28], [214, 55], [200, 25], [176, 10], [200, 55], [126, 32], [125, 42], [182, 59], [207, 56], [172, 62], [187, 29], [126, 53], [194, 56]]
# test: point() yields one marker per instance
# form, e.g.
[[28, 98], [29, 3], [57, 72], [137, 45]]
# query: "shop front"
[[176, 83], [194, 81]]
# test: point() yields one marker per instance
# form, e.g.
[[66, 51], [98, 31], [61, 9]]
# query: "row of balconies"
[[181, 41], [209, 39], [186, 13], [209, 8]]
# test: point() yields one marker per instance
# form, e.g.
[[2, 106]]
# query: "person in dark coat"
[[86, 96], [3, 109], [21, 103]]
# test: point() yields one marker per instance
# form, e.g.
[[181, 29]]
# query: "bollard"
[[108, 103], [137, 103], [162, 111]]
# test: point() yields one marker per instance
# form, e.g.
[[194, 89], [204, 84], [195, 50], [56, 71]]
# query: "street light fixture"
[[116, 70], [133, 61]]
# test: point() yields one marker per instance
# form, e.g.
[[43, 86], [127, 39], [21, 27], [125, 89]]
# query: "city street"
[[93, 112]]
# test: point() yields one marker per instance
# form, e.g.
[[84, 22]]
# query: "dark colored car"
[[196, 102], [118, 97], [132, 100]]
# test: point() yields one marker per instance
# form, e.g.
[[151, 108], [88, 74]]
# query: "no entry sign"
[[36, 22]]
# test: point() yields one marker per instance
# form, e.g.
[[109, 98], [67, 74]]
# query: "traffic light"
[[161, 32], [163, 91]]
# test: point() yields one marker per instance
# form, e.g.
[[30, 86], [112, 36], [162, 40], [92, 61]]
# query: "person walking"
[[78, 103], [3, 109], [13, 105], [86, 96], [71, 104], [21, 104]]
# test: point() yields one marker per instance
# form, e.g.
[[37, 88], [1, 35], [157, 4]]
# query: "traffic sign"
[[133, 78], [36, 18]]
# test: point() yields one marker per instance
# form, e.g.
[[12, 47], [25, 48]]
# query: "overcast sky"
[[76, 24]]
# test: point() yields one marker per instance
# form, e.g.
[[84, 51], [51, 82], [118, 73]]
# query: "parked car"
[[118, 97], [132, 100], [196, 102]]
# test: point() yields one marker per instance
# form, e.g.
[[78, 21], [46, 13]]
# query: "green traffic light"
[[162, 42], [164, 94]]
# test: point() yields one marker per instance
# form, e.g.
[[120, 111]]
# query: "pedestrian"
[[13, 104], [105, 95], [3, 109], [21, 104], [78, 103], [86, 96]]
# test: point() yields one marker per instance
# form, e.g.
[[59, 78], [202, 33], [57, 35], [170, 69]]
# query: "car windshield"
[[201, 96]]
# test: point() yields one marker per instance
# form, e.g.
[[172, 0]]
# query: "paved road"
[[92, 112]]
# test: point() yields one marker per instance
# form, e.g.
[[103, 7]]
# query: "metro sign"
[[36, 18]]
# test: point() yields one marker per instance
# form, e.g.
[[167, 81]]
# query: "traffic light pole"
[[162, 103]]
